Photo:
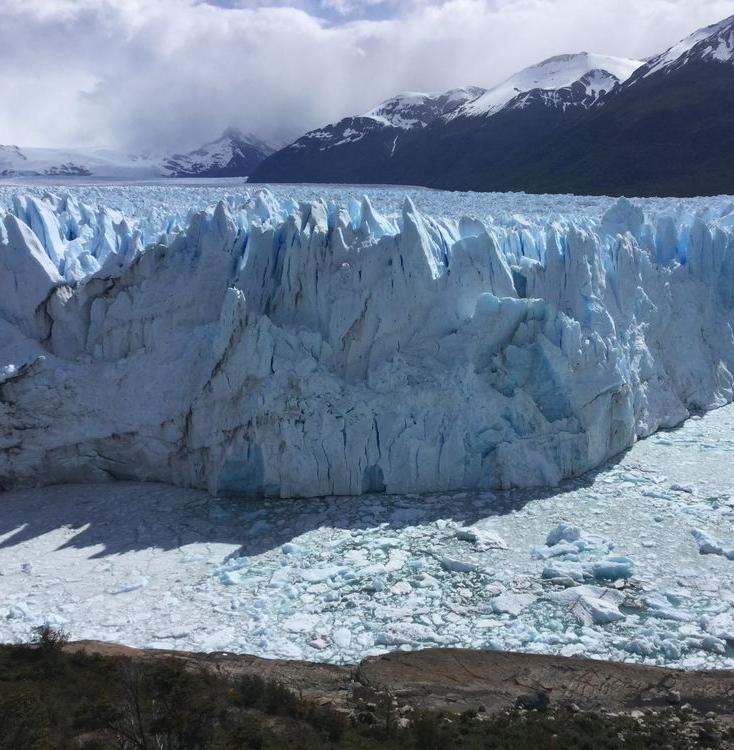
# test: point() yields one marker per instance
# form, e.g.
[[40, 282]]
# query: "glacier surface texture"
[[269, 345]]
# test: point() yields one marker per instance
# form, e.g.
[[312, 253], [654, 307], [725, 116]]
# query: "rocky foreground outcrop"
[[457, 680]]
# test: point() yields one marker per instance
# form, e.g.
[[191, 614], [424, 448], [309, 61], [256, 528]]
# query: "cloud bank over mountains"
[[170, 74]]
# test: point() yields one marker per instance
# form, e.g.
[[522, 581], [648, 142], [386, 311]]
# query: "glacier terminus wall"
[[291, 349]]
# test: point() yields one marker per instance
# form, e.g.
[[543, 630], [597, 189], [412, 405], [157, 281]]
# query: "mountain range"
[[233, 154], [579, 123]]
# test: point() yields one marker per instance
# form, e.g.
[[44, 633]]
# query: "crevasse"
[[296, 350]]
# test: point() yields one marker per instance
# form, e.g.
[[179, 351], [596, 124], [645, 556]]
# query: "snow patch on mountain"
[[711, 43], [582, 93], [407, 111], [558, 72], [411, 110]]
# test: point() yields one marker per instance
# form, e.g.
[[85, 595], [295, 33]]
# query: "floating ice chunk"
[[342, 638], [17, 612], [428, 582], [483, 539], [708, 545], [291, 548], [563, 532], [613, 568], [317, 575], [410, 633], [568, 541], [458, 566], [711, 643], [567, 572], [511, 603], [721, 626], [301, 623], [661, 606], [647, 645], [219, 640], [132, 584], [557, 550], [591, 605], [230, 577], [564, 574]]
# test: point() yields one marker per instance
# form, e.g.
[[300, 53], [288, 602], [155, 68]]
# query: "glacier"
[[278, 345]]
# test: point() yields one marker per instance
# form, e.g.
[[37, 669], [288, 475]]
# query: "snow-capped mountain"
[[581, 94], [411, 110], [666, 131], [580, 123], [384, 124], [233, 154], [559, 73], [364, 148], [50, 162], [713, 43]]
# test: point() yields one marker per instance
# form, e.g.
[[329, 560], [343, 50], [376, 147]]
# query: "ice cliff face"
[[305, 350]]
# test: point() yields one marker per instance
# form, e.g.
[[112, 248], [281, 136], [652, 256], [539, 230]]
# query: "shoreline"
[[457, 680]]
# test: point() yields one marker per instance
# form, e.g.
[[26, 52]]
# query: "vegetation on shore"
[[54, 698]]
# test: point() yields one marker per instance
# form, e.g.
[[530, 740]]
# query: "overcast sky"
[[165, 74]]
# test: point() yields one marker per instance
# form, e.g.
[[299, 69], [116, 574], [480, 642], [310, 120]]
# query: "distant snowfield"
[[338, 579]]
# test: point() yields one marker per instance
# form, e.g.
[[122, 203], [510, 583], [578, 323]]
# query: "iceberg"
[[289, 348], [591, 605], [708, 545]]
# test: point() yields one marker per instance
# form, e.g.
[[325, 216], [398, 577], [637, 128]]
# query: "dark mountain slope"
[[667, 129], [671, 133]]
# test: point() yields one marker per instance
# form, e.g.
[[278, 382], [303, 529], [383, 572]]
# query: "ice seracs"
[[310, 349]]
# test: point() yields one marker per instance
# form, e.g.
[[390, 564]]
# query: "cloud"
[[352, 7], [165, 74]]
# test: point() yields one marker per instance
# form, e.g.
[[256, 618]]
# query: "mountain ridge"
[[655, 127], [232, 154]]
